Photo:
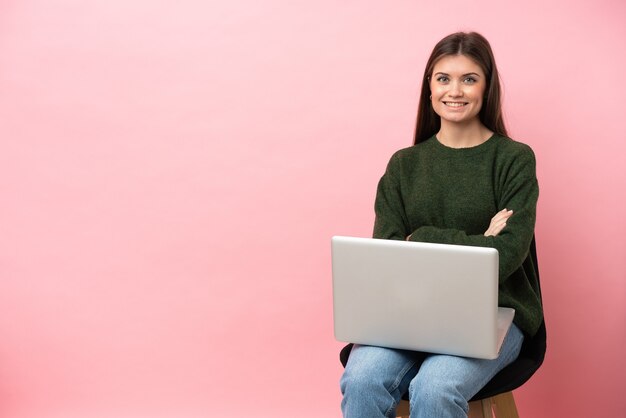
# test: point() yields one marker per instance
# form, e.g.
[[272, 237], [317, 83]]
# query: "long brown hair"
[[474, 46]]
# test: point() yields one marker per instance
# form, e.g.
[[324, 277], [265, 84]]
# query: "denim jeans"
[[439, 386]]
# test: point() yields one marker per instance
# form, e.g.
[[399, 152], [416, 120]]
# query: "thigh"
[[469, 375]]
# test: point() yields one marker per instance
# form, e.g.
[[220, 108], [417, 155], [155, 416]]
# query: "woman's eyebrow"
[[463, 75]]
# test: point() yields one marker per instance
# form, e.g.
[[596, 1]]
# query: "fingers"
[[498, 222], [496, 229], [503, 215]]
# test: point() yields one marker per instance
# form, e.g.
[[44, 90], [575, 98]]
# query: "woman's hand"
[[498, 222]]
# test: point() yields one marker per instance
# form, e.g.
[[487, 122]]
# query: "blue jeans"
[[376, 378]]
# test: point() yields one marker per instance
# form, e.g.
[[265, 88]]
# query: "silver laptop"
[[418, 296]]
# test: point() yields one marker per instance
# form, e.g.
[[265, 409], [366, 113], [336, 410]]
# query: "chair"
[[497, 395]]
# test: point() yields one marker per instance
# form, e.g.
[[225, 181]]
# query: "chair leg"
[[402, 411], [486, 404], [477, 410], [504, 405]]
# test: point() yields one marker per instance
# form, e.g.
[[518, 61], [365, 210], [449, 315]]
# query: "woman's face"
[[457, 85]]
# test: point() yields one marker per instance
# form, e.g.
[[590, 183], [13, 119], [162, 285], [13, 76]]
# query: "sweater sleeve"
[[391, 220], [518, 190]]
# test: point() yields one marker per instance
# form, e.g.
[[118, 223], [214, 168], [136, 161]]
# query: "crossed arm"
[[497, 224]]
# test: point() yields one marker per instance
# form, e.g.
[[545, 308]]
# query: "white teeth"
[[452, 104]]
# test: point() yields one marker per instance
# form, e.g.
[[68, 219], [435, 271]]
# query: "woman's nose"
[[455, 89]]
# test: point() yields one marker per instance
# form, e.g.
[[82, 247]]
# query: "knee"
[[436, 394], [374, 369], [365, 394], [359, 380]]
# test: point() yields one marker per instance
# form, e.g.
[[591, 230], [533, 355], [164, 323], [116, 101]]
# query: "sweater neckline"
[[462, 151]]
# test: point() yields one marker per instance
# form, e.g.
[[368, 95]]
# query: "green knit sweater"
[[449, 195]]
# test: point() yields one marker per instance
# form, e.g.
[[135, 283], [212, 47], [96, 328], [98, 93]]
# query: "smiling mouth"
[[455, 104]]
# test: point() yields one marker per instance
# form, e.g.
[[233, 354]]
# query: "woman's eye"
[[470, 80], [442, 79]]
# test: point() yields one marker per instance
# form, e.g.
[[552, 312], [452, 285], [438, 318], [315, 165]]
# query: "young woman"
[[462, 182]]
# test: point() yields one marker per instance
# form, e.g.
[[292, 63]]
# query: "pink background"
[[171, 174]]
